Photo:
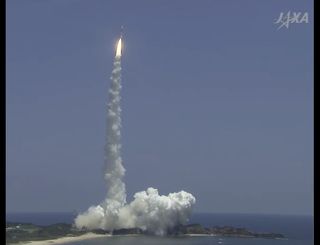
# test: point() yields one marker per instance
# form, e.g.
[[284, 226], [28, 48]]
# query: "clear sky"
[[216, 101]]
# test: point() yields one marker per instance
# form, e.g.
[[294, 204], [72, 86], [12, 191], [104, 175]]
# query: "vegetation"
[[16, 232]]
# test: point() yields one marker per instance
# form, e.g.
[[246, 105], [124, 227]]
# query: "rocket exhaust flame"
[[149, 210], [118, 52]]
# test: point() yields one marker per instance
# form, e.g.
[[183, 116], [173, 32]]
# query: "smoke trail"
[[149, 210], [116, 193]]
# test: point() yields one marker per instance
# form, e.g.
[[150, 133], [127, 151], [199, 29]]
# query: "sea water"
[[297, 229]]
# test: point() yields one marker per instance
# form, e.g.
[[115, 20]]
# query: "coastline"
[[63, 240]]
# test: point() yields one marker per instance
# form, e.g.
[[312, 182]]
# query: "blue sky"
[[216, 101]]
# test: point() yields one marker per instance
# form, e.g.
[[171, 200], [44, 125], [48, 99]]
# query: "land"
[[61, 240], [223, 231], [62, 232]]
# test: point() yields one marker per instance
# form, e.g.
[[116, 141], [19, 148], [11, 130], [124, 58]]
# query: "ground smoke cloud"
[[149, 211]]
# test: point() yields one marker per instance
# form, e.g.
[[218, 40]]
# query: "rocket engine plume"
[[149, 210], [118, 52]]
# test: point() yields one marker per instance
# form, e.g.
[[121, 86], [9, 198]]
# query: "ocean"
[[298, 229]]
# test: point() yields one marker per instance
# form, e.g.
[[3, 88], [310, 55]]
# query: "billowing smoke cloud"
[[149, 211]]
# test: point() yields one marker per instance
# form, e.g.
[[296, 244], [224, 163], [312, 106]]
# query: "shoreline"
[[63, 240], [90, 235]]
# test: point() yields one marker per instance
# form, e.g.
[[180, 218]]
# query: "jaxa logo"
[[285, 20]]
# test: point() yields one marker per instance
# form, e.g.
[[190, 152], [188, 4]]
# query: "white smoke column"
[[149, 210], [116, 193]]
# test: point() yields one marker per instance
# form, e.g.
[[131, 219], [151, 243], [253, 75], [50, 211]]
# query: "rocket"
[[119, 45]]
